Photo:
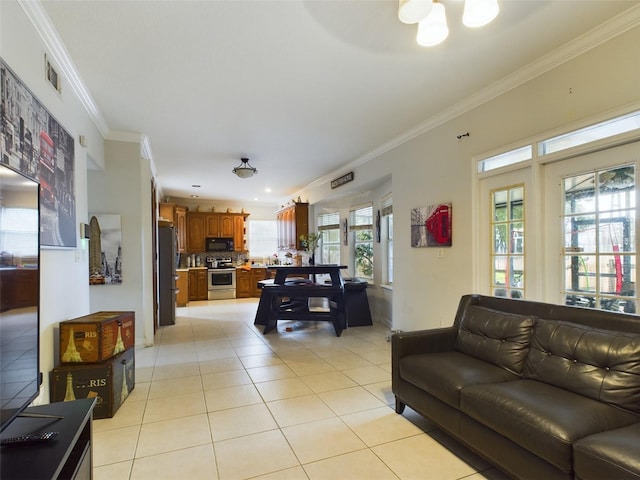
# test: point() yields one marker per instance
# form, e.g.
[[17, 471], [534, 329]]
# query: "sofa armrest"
[[421, 341]]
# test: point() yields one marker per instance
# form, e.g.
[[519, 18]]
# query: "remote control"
[[27, 439]]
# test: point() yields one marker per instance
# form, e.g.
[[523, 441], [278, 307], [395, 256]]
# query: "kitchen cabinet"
[[219, 225], [182, 285], [198, 284], [247, 281], [244, 278], [178, 215], [258, 274], [239, 231], [196, 232], [181, 227], [291, 222], [212, 223], [225, 225]]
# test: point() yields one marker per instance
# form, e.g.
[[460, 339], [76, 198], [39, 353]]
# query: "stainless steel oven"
[[221, 283]]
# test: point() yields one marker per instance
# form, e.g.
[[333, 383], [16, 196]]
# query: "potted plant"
[[310, 243]]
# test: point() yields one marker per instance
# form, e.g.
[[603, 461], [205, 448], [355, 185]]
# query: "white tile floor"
[[216, 399]]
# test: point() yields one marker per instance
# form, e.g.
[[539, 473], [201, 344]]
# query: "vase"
[[312, 259]]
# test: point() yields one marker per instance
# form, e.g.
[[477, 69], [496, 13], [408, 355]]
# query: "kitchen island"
[[292, 293]]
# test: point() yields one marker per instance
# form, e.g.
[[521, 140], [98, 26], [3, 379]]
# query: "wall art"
[[33, 142], [105, 250], [431, 226]]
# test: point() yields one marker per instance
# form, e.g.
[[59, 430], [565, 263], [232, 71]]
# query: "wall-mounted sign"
[[346, 178]]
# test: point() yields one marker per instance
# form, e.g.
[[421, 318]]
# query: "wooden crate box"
[[110, 382], [96, 337]]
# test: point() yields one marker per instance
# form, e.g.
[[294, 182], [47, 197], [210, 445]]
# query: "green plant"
[[364, 253], [310, 242]]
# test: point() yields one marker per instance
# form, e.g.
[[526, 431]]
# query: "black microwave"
[[219, 244]]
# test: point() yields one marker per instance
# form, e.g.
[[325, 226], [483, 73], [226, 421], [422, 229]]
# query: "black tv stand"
[[26, 414], [68, 456]]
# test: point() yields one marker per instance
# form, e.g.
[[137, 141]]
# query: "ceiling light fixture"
[[245, 170], [432, 21]]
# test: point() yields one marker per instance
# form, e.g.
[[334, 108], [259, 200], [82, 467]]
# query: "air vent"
[[52, 76]]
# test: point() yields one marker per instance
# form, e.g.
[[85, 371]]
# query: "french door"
[[591, 213], [507, 250]]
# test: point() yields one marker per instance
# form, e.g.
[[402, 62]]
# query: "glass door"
[[594, 241], [506, 254]]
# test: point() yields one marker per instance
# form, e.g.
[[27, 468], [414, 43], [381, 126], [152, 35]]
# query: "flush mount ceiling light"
[[432, 21], [245, 170]]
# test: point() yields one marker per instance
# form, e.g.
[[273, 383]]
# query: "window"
[[609, 128], [20, 231], [387, 221], [599, 239], [507, 232], [329, 230], [508, 158], [362, 228], [262, 238]]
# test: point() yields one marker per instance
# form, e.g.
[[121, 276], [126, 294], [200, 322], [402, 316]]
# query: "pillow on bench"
[[599, 364], [496, 337]]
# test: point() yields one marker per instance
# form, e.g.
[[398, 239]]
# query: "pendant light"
[[478, 13], [412, 11], [432, 21], [433, 29], [245, 170]]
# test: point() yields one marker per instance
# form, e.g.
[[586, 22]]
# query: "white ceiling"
[[301, 87]]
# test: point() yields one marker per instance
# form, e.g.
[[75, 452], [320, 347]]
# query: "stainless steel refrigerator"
[[167, 259]]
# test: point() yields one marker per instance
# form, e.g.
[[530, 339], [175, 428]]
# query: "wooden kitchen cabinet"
[[198, 284], [243, 283], [178, 215], [247, 281], [224, 225], [196, 232], [181, 227], [257, 275], [182, 285], [291, 222], [239, 231], [212, 224], [221, 225]]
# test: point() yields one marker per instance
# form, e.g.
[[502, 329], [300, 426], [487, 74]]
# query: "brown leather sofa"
[[539, 390]]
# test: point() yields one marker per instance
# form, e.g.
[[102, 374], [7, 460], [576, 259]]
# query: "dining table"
[[294, 293]]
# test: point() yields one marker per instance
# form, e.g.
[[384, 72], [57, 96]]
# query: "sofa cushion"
[[541, 418], [496, 337], [599, 364], [610, 454], [444, 374]]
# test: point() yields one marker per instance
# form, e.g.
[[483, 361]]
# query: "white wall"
[[436, 167], [64, 289], [124, 188]]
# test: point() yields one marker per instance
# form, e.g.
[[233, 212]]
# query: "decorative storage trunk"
[[96, 337], [110, 382]]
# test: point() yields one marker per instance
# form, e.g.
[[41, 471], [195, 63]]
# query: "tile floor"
[[216, 399]]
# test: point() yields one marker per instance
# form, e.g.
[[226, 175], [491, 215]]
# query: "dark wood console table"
[[287, 298], [68, 456]]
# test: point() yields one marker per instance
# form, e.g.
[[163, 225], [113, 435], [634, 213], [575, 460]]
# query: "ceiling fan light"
[[433, 29], [244, 170], [478, 13], [412, 11]]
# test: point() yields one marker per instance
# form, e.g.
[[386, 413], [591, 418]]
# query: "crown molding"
[[43, 26], [614, 27]]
